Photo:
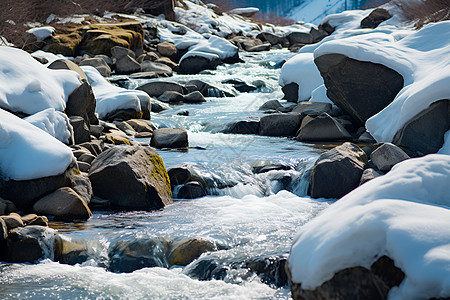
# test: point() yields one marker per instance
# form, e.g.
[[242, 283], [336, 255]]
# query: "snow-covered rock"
[[53, 122], [27, 152], [29, 87], [111, 98], [42, 33], [404, 215]]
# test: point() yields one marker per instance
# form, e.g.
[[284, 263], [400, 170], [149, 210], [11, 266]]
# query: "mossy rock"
[[65, 44]]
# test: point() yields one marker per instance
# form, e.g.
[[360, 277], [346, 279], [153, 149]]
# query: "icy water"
[[248, 214]]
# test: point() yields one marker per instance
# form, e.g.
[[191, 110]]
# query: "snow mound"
[[111, 98], [213, 47], [301, 70], [29, 87], [418, 57], [403, 214], [244, 10], [320, 95], [27, 152], [41, 33], [53, 122]]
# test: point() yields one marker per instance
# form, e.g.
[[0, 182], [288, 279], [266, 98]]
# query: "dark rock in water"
[[184, 252], [196, 64], [12, 221], [6, 207], [171, 97], [356, 283], [424, 133], [290, 92], [157, 88], [272, 39], [191, 190], [241, 85], [80, 130], [135, 254], [162, 70], [279, 124], [70, 252], [206, 269], [170, 138], [81, 102], [312, 108], [368, 175], [266, 166], [131, 178], [33, 219], [271, 269], [158, 106], [362, 89], [208, 90], [64, 204], [23, 244], [183, 113], [323, 128], [338, 171], [386, 156], [375, 18], [26, 192], [194, 97], [259, 48], [182, 174], [300, 38], [243, 127], [272, 104]]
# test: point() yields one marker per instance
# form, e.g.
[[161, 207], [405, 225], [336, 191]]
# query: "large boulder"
[[300, 38], [424, 133], [375, 18], [361, 89], [386, 156], [280, 124], [243, 127], [356, 283], [64, 204], [157, 88], [290, 92], [131, 177], [337, 171], [196, 63], [323, 128], [169, 138]]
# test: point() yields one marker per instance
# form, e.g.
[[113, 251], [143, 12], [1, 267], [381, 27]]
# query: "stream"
[[250, 212]]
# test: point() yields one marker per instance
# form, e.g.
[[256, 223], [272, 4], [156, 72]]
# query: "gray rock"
[[366, 138], [82, 186], [65, 64], [118, 52], [364, 90], [290, 92], [300, 38], [272, 104], [386, 156], [167, 49], [279, 124], [191, 190], [272, 39], [259, 48], [375, 18], [81, 102], [95, 147], [168, 62], [83, 166], [132, 177], [312, 108], [323, 128], [171, 97], [317, 34], [196, 64], [161, 69], [194, 97], [243, 127], [98, 63], [64, 204], [157, 88], [144, 75], [80, 130], [424, 133], [139, 125], [338, 171], [368, 175], [169, 138], [158, 106], [127, 65], [241, 85], [6, 207], [208, 90]]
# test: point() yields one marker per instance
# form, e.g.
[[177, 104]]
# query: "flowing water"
[[248, 214]]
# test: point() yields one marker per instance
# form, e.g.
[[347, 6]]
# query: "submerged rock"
[[186, 251], [132, 177], [191, 190]]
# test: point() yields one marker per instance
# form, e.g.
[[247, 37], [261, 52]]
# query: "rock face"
[[196, 64], [169, 138], [131, 178], [323, 128], [356, 283], [424, 133], [361, 89], [279, 124], [337, 171], [64, 204], [386, 156], [375, 18]]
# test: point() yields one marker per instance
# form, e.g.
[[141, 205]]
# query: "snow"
[[214, 46], [50, 57], [42, 33], [301, 70], [403, 214], [27, 152], [320, 95], [446, 147], [417, 57], [53, 122], [244, 10], [111, 98], [4, 42], [315, 11], [29, 87]]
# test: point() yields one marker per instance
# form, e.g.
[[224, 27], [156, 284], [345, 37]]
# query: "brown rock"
[[12, 221], [185, 251], [167, 49], [65, 64]]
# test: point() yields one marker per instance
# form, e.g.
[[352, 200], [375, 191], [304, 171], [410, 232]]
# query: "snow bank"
[[111, 98], [53, 122], [320, 95], [27, 152], [244, 10], [214, 46], [42, 33], [419, 58], [29, 87], [446, 147], [301, 70], [404, 215]]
